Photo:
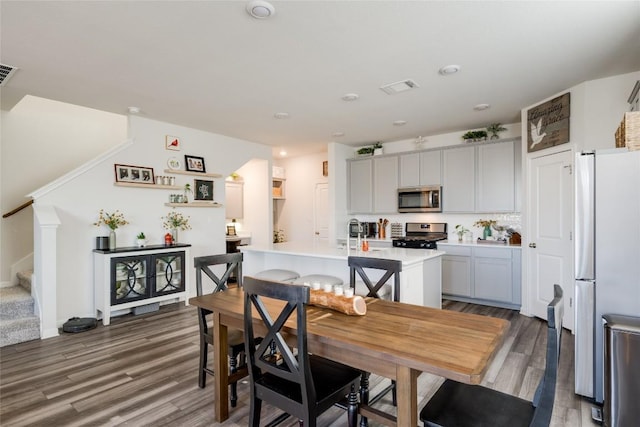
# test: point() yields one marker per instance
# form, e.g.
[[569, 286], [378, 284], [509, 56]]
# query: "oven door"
[[419, 199]]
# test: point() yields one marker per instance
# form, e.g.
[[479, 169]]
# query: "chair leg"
[[364, 396], [394, 398], [254, 412], [233, 368], [202, 375], [352, 409]]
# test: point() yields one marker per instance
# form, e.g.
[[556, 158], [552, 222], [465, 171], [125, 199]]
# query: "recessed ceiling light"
[[260, 9], [283, 152], [400, 123], [481, 107], [449, 70], [337, 134], [350, 96], [134, 110], [281, 115]]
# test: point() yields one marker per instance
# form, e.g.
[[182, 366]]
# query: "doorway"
[[321, 213]]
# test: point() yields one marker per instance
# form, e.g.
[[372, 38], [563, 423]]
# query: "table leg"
[[221, 368], [407, 395]]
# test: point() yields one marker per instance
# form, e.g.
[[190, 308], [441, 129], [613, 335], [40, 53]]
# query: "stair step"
[[24, 279], [15, 303], [19, 330]]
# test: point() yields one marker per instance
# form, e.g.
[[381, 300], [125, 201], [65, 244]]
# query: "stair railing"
[[18, 209]]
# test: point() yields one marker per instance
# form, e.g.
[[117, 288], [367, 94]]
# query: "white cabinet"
[[385, 184], [234, 194], [482, 275], [495, 191], [458, 179], [420, 168], [361, 186]]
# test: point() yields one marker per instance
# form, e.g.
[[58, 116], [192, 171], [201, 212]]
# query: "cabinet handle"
[[532, 245]]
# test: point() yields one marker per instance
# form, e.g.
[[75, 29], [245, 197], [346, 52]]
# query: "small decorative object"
[[548, 123], [172, 143], [420, 141], [231, 230], [461, 231], [136, 174], [234, 176], [325, 168], [113, 221], [174, 221], [278, 236], [168, 239], [141, 239], [377, 149], [187, 190], [494, 129], [485, 224], [194, 164], [475, 136], [204, 190], [173, 163]]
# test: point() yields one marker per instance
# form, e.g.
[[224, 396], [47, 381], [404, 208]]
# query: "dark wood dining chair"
[[458, 404], [377, 289], [235, 339], [300, 384]]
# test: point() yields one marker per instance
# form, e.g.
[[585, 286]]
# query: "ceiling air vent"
[[6, 71], [401, 86]]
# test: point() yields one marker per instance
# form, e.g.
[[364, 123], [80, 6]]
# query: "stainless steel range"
[[422, 235]]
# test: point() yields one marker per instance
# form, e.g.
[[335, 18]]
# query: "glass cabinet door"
[[130, 281], [169, 274]]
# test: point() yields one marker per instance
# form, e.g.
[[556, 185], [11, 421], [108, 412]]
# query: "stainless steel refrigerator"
[[607, 255]]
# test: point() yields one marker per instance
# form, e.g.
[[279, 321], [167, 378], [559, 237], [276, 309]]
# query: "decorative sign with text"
[[548, 124]]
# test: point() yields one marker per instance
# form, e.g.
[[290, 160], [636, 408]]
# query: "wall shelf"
[[195, 204], [181, 172], [148, 186]]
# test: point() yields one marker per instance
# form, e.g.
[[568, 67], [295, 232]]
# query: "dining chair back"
[[291, 379], [458, 404], [391, 268], [235, 338]]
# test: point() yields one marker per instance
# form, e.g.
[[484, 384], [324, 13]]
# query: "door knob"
[[532, 245]]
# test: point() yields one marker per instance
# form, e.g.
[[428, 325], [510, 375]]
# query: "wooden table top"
[[450, 344]]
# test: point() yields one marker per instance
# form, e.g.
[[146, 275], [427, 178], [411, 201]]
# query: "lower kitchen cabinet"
[[482, 275], [130, 277]]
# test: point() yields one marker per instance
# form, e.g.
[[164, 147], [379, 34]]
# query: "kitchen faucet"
[[353, 221]]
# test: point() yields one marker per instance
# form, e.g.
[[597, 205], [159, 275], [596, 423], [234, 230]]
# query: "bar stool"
[[277, 275]]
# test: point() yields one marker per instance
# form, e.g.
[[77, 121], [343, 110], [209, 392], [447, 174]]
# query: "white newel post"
[[46, 222]]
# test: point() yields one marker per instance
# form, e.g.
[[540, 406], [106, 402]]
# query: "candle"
[[315, 286], [328, 287], [348, 292], [338, 290]]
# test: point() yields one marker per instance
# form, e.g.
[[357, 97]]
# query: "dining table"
[[394, 340]]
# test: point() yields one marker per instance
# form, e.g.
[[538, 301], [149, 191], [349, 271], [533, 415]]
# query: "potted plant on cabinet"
[[377, 149], [461, 231], [141, 239]]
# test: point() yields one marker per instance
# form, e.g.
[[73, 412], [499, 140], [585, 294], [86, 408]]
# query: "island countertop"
[[320, 250]]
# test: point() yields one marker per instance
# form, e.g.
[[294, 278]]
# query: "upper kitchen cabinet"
[[373, 185], [421, 168], [459, 177], [234, 193]]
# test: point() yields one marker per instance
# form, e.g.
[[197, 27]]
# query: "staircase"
[[17, 320]]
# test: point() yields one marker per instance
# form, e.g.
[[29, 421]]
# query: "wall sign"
[[548, 124]]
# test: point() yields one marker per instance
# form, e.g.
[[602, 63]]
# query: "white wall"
[[78, 201], [42, 140]]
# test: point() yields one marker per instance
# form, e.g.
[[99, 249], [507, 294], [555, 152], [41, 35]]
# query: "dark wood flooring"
[[142, 371]]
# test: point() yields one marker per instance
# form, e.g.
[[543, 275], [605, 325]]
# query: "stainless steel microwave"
[[420, 199]]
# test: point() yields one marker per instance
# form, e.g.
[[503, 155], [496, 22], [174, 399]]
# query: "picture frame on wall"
[[194, 164], [172, 143], [325, 168], [203, 190], [134, 174]]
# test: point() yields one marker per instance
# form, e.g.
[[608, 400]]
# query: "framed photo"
[[194, 164], [136, 174], [325, 168], [172, 143], [203, 190], [231, 230]]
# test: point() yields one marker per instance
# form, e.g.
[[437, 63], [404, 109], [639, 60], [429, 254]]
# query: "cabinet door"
[[234, 203], [458, 184], [430, 162], [456, 275], [385, 185], [493, 278], [495, 185], [169, 273], [361, 186], [129, 279], [409, 170]]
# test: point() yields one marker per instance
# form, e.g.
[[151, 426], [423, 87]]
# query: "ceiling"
[[211, 66]]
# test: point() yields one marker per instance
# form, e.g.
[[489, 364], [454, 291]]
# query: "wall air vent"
[[401, 86], [6, 71]]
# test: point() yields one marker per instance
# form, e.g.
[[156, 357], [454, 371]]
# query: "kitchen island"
[[420, 279]]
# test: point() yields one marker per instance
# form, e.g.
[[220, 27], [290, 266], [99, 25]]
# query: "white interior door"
[[549, 252], [321, 212]]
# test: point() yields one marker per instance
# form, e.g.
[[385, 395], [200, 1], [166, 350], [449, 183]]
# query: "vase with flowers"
[[485, 224], [113, 221], [175, 221]]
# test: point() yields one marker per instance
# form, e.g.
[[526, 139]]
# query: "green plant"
[[111, 220], [365, 150], [377, 145], [175, 220], [484, 223], [475, 135], [461, 230], [141, 236], [187, 188], [494, 129]]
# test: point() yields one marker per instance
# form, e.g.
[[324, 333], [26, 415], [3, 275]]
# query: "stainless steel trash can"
[[621, 370]]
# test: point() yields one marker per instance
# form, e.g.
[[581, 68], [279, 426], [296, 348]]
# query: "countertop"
[[407, 256], [480, 245]]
